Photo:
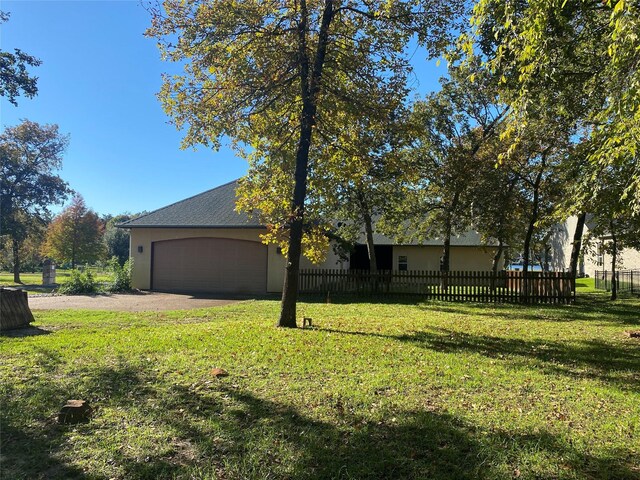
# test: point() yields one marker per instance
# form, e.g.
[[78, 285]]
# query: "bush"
[[79, 282], [121, 275]]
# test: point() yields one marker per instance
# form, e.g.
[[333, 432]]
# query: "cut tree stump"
[[75, 411], [14, 309]]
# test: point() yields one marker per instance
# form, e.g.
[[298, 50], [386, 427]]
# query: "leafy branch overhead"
[[14, 75]]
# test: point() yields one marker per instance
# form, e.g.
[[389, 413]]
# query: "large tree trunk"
[[15, 247], [494, 264], [614, 260], [577, 245], [445, 261], [531, 228], [310, 86], [371, 250], [496, 258]]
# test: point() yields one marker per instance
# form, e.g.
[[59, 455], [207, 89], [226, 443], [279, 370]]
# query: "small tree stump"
[[14, 309], [75, 411]]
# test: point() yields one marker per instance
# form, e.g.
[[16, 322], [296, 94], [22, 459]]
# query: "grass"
[[32, 282], [374, 390]]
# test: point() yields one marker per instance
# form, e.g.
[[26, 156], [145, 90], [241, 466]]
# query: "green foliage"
[[275, 76], [30, 154], [75, 235], [14, 77], [116, 239], [121, 275], [573, 62], [79, 282]]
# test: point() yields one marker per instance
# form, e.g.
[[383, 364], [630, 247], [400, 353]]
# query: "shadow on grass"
[[28, 453], [588, 308], [220, 430], [618, 365], [24, 332]]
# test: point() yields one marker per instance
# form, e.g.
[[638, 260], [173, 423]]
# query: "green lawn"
[[408, 390], [32, 282]]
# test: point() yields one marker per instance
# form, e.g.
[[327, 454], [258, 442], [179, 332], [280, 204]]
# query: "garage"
[[211, 265]]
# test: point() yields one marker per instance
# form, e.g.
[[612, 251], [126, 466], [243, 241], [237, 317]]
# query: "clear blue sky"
[[98, 80]]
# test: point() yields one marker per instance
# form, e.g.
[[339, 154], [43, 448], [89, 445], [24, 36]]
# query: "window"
[[600, 257], [402, 263]]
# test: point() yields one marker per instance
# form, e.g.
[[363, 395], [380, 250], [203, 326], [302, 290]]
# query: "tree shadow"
[[221, 430], [28, 453], [617, 365], [592, 309], [422, 444], [24, 332]]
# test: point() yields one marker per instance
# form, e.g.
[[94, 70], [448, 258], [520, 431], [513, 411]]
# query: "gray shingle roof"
[[214, 208], [471, 238]]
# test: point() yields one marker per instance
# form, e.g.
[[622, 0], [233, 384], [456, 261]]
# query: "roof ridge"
[[176, 203]]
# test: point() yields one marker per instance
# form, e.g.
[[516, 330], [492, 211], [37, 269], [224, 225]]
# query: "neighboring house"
[[202, 244], [593, 258]]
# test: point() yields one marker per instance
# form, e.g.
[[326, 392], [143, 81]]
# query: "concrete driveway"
[[129, 302]]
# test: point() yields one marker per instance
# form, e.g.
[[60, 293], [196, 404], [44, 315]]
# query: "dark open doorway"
[[359, 259]]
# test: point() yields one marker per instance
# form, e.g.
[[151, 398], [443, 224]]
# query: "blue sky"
[[98, 80]]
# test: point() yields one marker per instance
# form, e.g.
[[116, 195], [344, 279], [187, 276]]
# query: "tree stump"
[[14, 309]]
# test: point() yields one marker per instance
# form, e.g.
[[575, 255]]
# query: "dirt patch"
[[135, 302]]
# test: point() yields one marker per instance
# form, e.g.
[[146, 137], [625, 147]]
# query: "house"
[[593, 258], [201, 244]]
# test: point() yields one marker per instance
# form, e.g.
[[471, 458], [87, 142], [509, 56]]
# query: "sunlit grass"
[[32, 282], [374, 390]]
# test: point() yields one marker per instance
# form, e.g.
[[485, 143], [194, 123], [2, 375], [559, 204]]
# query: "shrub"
[[79, 282], [121, 275]]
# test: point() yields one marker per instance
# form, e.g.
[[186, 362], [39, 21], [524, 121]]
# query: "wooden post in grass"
[[14, 309]]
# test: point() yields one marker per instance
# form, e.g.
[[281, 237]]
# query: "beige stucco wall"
[[628, 259], [562, 240], [141, 276], [562, 243], [428, 257]]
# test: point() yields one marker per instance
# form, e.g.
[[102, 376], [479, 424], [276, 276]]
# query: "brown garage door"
[[217, 265]]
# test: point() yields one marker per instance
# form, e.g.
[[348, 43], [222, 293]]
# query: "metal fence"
[[478, 286], [628, 280]]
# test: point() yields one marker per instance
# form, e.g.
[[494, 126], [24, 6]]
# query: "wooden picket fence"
[[461, 286]]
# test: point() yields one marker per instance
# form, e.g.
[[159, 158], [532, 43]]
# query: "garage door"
[[216, 265]]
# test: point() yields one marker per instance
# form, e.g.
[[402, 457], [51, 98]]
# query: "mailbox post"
[[48, 273]]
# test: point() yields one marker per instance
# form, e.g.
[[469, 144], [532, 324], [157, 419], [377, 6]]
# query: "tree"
[[269, 75], [536, 162], [574, 61], [116, 240], [75, 235], [451, 126], [29, 155], [611, 227], [498, 207], [14, 76]]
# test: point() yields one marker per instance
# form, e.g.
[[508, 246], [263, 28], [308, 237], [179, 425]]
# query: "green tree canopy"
[[30, 154], [75, 235], [14, 76], [272, 76], [576, 62]]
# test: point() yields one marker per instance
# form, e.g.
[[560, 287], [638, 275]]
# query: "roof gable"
[[214, 208]]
